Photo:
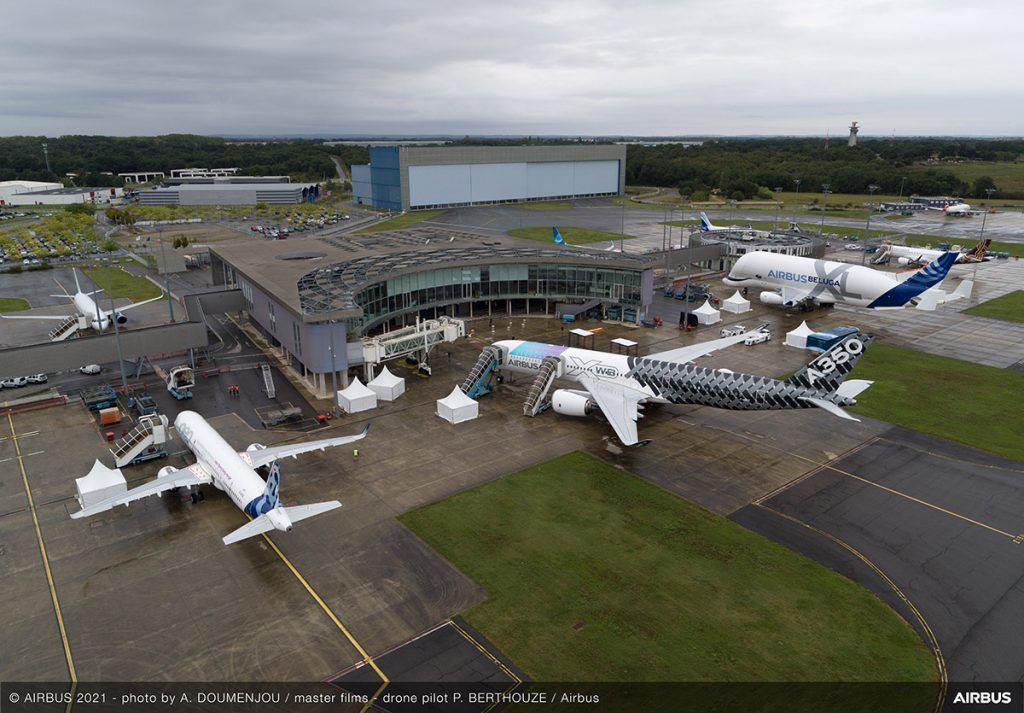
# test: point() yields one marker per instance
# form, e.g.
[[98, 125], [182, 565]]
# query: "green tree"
[[981, 183]]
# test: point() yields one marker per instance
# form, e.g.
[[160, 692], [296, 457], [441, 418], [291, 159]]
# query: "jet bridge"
[[418, 340]]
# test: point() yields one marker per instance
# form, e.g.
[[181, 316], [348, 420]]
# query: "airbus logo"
[[603, 371], [797, 277], [983, 697]]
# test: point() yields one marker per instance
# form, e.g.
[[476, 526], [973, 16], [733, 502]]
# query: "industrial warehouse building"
[[315, 298], [39, 193], [404, 178], [227, 194]]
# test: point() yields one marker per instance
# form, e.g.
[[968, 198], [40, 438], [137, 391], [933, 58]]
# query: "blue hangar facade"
[[402, 178]]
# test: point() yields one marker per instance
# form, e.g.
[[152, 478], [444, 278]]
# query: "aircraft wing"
[[791, 295], [687, 354], [167, 480], [618, 403], [266, 456], [40, 316], [133, 305]]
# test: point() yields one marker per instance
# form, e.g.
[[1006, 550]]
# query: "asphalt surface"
[[933, 527]]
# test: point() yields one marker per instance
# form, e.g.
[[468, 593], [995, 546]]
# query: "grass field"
[[402, 221], [1008, 175], [945, 397], [596, 575], [571, 235], [13, 304], [117, 283], [1009, 307]]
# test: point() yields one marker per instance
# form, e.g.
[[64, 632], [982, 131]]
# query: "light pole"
[[903, 180], [334, 373], [167, 279], [824, 192], [984, 218], [117, 336], [867, 226], [797, 202], [778, 205], [622, 229]]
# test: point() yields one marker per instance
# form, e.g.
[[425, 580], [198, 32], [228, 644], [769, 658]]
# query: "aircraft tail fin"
[[978, 251], [78, 287], [559, 240], [828, 371], [271, 494], [918, 282], [705, 223]]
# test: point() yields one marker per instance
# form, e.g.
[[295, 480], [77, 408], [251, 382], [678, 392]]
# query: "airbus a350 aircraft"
[[85, 306], [794, 281], [618, 384], [218, 464]]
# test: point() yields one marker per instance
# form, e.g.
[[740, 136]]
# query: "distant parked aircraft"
[[85, 306], [910, 255]]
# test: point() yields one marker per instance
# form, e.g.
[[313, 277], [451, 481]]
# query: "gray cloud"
[[572, 67]]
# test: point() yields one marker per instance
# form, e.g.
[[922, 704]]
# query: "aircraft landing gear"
[[197, 496]]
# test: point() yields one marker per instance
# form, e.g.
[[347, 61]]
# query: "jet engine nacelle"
[[771, 298], [572, 403], [904, 261], [119, 316]]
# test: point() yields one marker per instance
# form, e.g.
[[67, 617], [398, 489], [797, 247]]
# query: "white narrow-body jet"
[[234, 473], [86, 307]]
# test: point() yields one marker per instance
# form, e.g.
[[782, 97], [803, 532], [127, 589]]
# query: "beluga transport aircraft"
[[618, 385], [86, 307], [793, 281], [218, 464]]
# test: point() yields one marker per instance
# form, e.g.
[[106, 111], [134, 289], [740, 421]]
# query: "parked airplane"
[[85, 306], [559, 240], [794, 281], [910, 255], [706, 226], [958, 210], [218, 464], [617, 385]]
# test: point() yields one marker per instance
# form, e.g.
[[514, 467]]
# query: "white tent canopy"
[[101, 483], [387, 386], [456, 407], [798, 337], [706, 314], [357, 397], [737, 304]]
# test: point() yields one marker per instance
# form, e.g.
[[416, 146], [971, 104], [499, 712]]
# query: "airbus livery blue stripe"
[[925, 279]]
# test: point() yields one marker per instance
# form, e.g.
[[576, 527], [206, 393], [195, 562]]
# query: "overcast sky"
[[526, 67]]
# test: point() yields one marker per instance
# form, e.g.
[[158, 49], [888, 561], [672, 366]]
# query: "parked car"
[[733, 330], [90, 369], [36, 379], [15, 382]]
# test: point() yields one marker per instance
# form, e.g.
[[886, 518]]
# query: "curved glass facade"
[[446, 286]]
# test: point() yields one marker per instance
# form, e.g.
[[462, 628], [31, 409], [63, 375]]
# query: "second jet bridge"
[[538, 399]]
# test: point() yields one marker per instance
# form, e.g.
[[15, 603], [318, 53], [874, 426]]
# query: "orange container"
[[110, 415]]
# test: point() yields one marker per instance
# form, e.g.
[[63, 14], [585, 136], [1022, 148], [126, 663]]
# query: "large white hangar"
[[421, 177]]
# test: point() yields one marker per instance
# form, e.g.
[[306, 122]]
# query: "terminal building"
[[314, 299], [402, 178]]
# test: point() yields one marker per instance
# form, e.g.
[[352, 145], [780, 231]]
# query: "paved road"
[[943, 522]]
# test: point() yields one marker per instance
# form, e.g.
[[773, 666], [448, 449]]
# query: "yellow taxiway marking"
[[42, 551], [327, 610], [940, 662], [927, 504], [516, 680], [946, 456]]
